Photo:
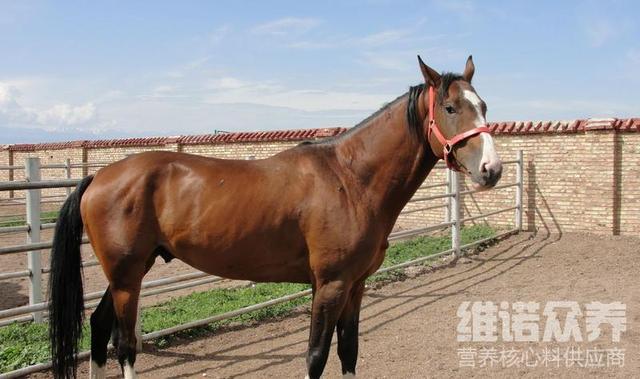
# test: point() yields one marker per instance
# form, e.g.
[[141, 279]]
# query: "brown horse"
[[318, 213]]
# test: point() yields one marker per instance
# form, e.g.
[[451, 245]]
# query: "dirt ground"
[[409, 328]]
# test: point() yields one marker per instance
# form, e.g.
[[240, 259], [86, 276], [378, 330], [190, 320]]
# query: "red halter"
[[447, 144]]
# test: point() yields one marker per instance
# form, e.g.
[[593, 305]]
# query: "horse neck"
[[387, 159]]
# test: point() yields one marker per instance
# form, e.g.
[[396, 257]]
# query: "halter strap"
[[447, 144]]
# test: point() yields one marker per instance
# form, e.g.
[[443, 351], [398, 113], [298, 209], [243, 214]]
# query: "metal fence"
[[36, 310]]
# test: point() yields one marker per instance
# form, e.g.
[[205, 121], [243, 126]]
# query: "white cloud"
[[188, 67], [228, 90], [372, 40], [286, 26], [386, 61], [67, 115], [10, 109], [59, 115], [384, 37], [228, 82], [8, 95], [314, 45], [164, 89], [404, 60]]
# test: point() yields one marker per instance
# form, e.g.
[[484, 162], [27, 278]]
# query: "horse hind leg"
[[115, 335], [125, 302], [102, 320], [103, 327], [125, 290]]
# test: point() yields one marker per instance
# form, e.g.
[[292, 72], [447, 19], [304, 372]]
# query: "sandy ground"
[[408, 328]]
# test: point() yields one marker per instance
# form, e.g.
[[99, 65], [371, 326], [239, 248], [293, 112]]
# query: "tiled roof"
[[43, 146], [508, 127], [265, 136], [571, 126]]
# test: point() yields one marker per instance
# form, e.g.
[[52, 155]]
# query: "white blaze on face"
[[489, 153]]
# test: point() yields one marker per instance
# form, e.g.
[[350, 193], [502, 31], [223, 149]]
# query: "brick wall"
[[239, 150], [582, 179], [626, 203], [581, 175]]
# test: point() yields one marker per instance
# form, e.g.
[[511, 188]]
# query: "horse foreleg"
[[347, 330], [328, 301]]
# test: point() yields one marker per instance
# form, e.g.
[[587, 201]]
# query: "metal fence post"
[[519, 190], [67, 168], [11, 176], [447, 208], [455, 213], [32, 174]]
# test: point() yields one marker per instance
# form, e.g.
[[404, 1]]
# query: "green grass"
[[200, 305], [26, 344], [408, 250], [45, 217], [23, 345]]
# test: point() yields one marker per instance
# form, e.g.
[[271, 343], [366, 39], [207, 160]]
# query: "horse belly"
[[255, 259]]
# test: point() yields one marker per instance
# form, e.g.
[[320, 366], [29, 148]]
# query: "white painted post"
[[32, 174], [67, 164], [447, 208], [519, 190], [455, 213]]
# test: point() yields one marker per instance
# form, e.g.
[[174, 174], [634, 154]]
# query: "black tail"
[[66, 307]]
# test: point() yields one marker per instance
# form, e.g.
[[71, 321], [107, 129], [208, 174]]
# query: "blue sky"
[[81, 69]]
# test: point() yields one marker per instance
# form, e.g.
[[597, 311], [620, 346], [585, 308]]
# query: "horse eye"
[[450, 109]]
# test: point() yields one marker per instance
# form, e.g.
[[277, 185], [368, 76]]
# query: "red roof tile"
[[508, 127]]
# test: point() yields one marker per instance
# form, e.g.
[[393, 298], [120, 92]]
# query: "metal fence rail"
[[36, 310]]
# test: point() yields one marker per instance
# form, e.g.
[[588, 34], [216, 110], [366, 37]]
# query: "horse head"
[[455, 126]]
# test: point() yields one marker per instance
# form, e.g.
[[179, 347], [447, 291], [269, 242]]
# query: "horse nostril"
[[491, 171]]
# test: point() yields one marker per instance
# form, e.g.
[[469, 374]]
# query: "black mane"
[[412, 108]]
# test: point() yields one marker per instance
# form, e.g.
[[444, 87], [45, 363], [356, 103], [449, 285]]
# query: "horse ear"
[[469, 69], [431, 76]]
